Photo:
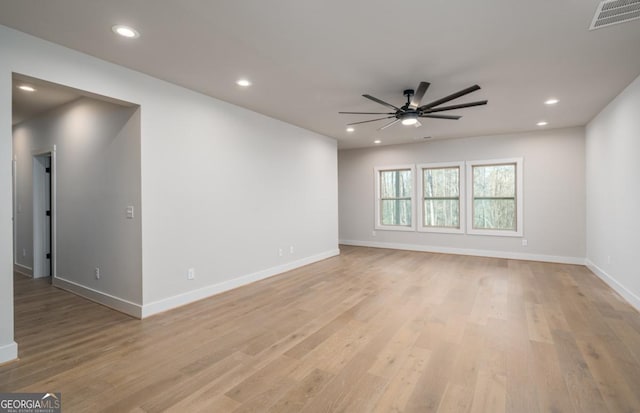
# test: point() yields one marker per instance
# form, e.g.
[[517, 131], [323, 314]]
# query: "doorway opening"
[[77, 193], [76, 207]]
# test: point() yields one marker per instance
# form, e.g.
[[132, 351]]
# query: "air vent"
[[615, 11]]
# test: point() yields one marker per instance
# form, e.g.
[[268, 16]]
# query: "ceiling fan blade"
[[389, 124], [382, 102], [417, 97], [450, 97], [366, 113], [371, 120], [452, 117], [460, 106]]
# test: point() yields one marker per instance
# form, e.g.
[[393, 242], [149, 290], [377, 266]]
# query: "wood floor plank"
[[397, 350], [489, 393], [307, 389], [537, 323], [403, 383], [553, 395], [431, 385], [581, 386], [371, 330], [620, 393]]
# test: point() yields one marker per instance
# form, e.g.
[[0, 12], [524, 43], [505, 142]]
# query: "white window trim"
[[420, 197], [519, 198], [377, 223]]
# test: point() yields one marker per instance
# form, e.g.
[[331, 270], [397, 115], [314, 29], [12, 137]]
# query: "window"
[[495, 192], [442, 197], [394, 198]]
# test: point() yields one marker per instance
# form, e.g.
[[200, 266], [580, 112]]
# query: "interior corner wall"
[[224, 189], [554, 195], [97, 175], [613, 193]]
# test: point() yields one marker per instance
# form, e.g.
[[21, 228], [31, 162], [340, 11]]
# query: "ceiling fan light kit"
[[410, 119], [410, 113]]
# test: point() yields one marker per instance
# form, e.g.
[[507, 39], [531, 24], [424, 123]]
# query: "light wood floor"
[[370, 331]]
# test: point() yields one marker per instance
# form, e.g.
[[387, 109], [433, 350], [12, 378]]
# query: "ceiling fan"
[[411, 111]]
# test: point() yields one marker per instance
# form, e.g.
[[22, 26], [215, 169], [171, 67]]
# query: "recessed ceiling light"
[[27, 88], [378, 141], [551, 101], [243, 83], [350, 129], [125, 31], [542, 123]]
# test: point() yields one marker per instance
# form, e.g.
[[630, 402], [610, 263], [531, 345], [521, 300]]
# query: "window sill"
[[441, 230], [495, 233], [394, 228]]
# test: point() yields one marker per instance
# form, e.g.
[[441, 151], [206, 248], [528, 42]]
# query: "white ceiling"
[[47, 96], [309, 60]]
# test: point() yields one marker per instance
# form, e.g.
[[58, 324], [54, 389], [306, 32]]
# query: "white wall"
[[236, 189], [8, 348], [613, 194], [554, 194], [97, 176], [223, 188]]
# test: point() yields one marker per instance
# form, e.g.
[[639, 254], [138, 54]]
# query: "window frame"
[[461, 195], [378, 200], [519, 198]]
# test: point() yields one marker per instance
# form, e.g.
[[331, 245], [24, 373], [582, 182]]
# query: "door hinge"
[[48, 170], [48, 256], [48, 213]]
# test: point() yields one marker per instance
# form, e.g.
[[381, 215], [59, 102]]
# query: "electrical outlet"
[[291, 249], [608, 259], [373, 233], [24, 252], [129, 212], [525, 242], [280, 252], [191, 274], [96, 272]]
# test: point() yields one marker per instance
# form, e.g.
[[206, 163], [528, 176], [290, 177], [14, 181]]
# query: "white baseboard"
[[8, 352], [466, 251], [124, 306], [627, 294], [210, 290], [23, 269]]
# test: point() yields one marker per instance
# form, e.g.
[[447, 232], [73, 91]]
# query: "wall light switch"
[[191, 274], [130, 212]]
